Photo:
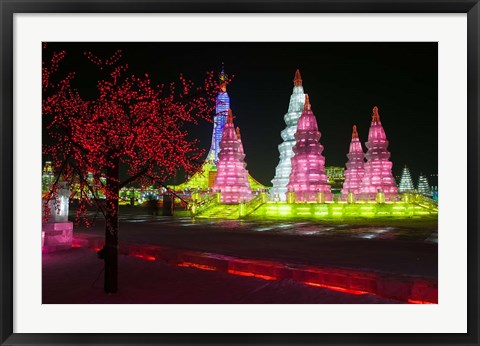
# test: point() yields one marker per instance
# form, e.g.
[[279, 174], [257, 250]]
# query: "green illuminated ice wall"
[[260, 208]]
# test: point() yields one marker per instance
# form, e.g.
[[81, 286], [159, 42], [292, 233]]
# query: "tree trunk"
[[111, 229]]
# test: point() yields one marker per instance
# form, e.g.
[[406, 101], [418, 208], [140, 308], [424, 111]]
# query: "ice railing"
[[413, 198], [428, 203], [254, 203], [198, 205]]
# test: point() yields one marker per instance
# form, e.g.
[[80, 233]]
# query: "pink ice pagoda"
[[232, 177], [378, 169], [355, 166], [307, 178]]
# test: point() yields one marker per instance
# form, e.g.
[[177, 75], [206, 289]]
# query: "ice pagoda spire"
[[223, 79], [308, 177], [378, 169], [354, 132], [355, 165], [295, 107], [297, 81], [307, 106], [232, 177], [221, 109], [406, 182], [375, 115]]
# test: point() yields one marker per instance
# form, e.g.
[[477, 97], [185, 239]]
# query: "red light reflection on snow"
[[196, 265], [255, 275], [261, 276], [148, 258], [336, 288], [413, 301]]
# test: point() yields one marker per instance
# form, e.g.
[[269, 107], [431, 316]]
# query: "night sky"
[[344, 82]]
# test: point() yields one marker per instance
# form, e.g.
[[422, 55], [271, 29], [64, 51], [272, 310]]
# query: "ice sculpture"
[[406, 182], [282, 172], [355, 166], [204, 178], [57, 231], [232, 177], [307, 178], [221, 111], [423, 187], [378, 169]]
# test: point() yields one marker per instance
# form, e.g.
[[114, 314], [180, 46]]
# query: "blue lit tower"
[[220, 118], [295, 108], [204, 178]]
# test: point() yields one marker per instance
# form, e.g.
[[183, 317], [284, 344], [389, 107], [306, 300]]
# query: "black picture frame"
[[10, 7]]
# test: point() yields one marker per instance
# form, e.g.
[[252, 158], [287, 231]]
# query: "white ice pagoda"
[[284, 168]]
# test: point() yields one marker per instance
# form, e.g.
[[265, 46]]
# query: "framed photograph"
[[239, 173]]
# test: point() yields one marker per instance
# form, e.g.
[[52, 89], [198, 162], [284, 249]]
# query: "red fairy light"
[[132, 123]]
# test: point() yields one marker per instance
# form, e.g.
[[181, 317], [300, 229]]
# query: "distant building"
[[48, 176], [336, 177]]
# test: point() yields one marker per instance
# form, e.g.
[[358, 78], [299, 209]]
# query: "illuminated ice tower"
[[378, 169], [282, 172], [221, 111], [308, 178], [355, 166], [423, 186], [204, 178], [406, 182], [232, 177]]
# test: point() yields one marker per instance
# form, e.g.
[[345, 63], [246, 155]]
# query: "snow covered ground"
[[76, 277], [388, 247], [397, 246]]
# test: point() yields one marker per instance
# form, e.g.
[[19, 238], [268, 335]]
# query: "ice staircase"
[[220, 211], [211, 208], [429, 204]]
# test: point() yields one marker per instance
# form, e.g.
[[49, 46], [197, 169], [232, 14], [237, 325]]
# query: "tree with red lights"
[[130, 124]]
